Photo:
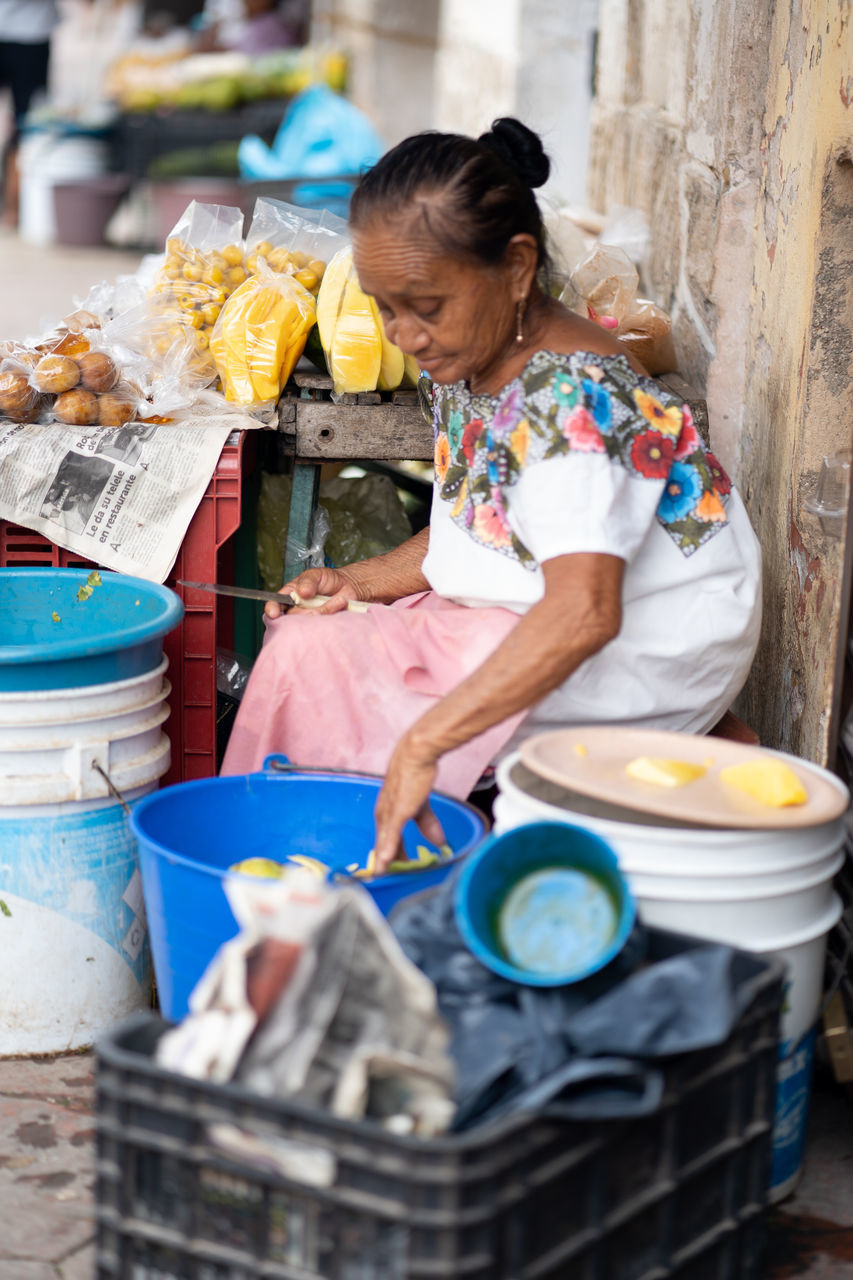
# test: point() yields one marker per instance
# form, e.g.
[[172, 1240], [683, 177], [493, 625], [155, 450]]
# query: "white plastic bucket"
[[764, 891], [45, 158], [54, 744], [73, 933]]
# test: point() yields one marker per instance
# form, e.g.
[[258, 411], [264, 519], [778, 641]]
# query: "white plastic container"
[[765, 891], [73, 933], [47, 157], [53, 744]]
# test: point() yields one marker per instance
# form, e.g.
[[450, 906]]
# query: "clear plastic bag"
[[66, 377], [260, 334], [606, 281], [299, 241], [204, 263]]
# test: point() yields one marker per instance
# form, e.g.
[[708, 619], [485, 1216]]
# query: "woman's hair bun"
[[520, 148]]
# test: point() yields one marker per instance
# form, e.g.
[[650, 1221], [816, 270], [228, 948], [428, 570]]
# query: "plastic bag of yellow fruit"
[[298, 241], [204, 263], [260, 334], [358, 354]]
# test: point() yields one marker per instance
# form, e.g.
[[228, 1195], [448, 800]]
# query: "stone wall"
[[729, 124]]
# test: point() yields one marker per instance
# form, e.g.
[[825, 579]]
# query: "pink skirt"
[[338, 691]]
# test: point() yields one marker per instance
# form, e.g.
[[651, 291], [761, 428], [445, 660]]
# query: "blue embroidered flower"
[[455, 430], [509, 411], [598, 402], [682, 491], [565, 391]]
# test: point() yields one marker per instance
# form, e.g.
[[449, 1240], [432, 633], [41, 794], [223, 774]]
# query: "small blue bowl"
[[544, 905]]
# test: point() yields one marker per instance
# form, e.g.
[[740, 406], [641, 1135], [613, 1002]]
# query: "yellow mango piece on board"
[[769, 781], [664, 773], [355, 358], [393, 364], [331, 294], [411, 371]]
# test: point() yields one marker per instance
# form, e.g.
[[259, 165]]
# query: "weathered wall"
[[729, 124], [392, 46], [457, 64]]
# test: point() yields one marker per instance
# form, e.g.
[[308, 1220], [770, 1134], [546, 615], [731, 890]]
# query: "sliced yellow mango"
[[310, 864], [330, 295], [264, 867], [411, 372], [393, 363], [664, 773], [355, 357], [771, 782]]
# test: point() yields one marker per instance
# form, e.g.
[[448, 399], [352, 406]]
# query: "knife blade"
[[240, 593], [255, 593]]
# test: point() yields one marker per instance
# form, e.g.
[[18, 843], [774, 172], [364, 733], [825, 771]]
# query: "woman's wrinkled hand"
[[409, 779], [339, 586]]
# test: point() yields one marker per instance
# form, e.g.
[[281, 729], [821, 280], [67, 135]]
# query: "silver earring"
[[519, 320]]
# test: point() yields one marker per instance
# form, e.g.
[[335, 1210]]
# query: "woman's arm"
[[379, 580], [579, 614]]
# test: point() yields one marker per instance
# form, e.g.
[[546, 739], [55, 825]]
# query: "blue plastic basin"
[[191, 833], [544, 904], [51, 640]]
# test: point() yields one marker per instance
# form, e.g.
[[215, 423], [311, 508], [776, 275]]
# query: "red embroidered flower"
[[652, 454], [582, 433], [719, 476], [688, 441], [470, 436]]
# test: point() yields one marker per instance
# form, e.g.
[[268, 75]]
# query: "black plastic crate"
[[678, 1193]]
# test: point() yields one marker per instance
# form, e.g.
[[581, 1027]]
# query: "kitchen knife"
[[255, 593]]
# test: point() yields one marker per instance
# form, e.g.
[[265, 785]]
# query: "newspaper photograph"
[[121, 497]]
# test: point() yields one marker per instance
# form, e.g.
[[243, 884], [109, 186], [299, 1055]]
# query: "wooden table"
[[372, 426]]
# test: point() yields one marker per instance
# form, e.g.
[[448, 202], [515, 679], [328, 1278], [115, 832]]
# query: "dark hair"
[[486, 188]]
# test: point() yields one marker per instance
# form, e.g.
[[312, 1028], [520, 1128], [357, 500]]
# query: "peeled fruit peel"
[[769, 781], [664, 773]]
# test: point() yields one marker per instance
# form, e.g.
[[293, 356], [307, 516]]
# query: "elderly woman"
[[587, 561]]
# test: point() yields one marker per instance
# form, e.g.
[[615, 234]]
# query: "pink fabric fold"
[[339, 691]]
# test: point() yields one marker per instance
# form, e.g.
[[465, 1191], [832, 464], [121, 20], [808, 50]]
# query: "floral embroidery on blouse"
[[583, 403]]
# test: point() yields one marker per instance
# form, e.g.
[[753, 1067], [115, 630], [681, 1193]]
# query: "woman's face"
[[456, 318]]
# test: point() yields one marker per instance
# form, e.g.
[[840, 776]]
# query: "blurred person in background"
[[26, 29], [254, 26]]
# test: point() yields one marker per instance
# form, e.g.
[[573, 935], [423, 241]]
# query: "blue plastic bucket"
[[190, 834], [544, 904], [51, 639]]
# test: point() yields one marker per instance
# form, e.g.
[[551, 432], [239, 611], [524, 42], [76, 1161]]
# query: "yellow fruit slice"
[[310, 864], [330, 295], [771, 782], [664, 773], [355, 357], [411, 371], [393, 362], [263, 867]]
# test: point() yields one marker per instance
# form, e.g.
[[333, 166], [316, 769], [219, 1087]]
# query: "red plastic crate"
[[206, 555]]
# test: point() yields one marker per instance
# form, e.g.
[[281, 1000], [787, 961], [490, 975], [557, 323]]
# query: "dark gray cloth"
[[582, 1051]]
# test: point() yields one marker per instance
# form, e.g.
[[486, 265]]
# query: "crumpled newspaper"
[[315, 1000]]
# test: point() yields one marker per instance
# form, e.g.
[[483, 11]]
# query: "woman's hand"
[[409, 779], [337, 584]]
